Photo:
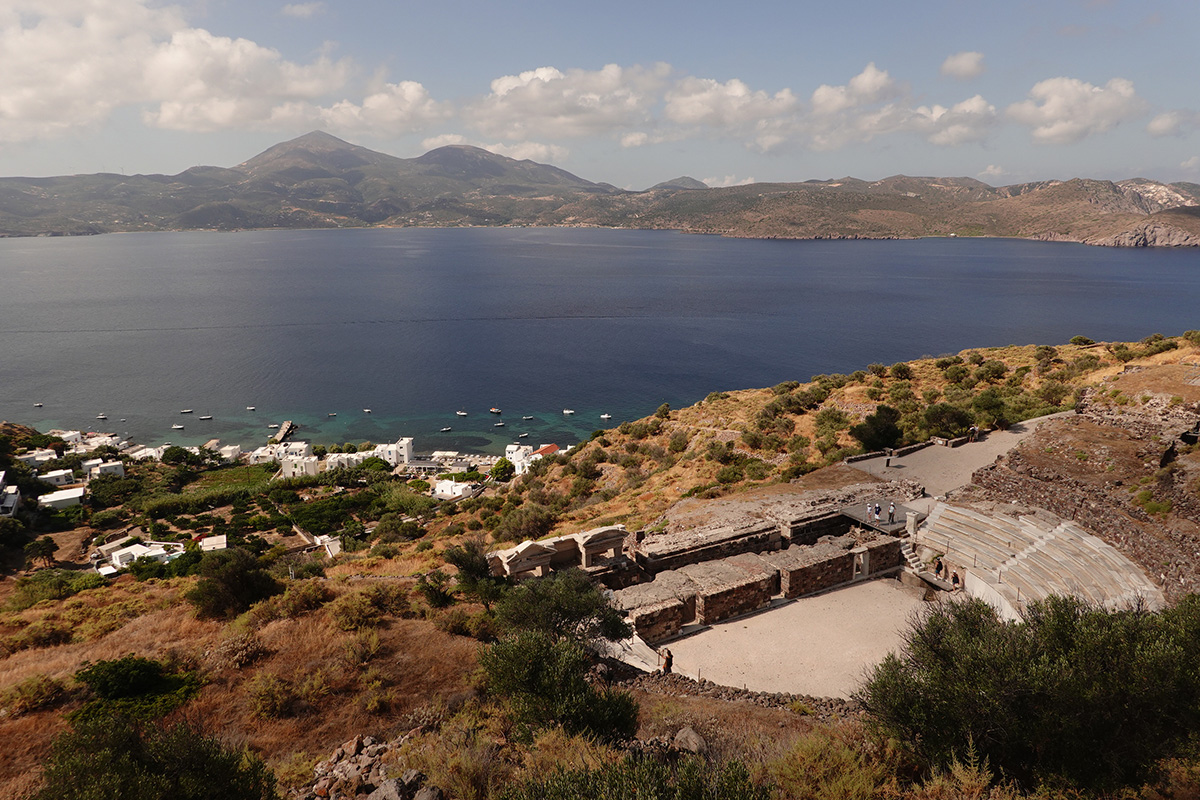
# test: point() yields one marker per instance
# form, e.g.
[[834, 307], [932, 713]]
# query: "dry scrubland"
[[383, 644]]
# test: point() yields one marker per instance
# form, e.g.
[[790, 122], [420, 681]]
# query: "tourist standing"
[[878, 511], [668, 660], [891, 512], [954, 580]]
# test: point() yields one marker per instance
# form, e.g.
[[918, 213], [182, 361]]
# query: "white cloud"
[[69, 65], [1173, 123], [964, 66], [534, 151], [1192, 164], [1068, 110], [703, 101], [992, 171], [869, 86], [207, 82], [728, 180], [548, 102], [395, 108], [969, 121], [303, 10]]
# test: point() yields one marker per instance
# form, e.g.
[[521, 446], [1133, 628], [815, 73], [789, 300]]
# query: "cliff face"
[[1150, 234]]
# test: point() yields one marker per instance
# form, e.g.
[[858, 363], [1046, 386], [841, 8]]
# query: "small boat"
[[207, 416], [461, 413], [606, 416], [568, 411], [522, 435], [249, 408], [176, 427], [446, 429], [366, 411], [272, 426], [494, 410], [498, 425], [526, 418], [186, 411], [332, 414], [102, 416], [37, 405], [122, 419]]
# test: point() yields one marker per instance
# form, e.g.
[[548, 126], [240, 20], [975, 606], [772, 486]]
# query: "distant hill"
[[318, 180]]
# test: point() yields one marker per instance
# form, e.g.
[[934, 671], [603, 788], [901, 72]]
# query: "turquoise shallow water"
[[418, 323]]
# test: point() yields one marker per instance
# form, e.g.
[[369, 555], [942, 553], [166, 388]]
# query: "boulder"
[[691, 741]]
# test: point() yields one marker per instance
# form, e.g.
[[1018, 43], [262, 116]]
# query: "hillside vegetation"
[[489, 688]]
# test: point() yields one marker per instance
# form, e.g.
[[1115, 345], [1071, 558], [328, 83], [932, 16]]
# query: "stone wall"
[[659, 621], [709, 547], [733, 600], [811, 571], [885, 555], [809, 530]]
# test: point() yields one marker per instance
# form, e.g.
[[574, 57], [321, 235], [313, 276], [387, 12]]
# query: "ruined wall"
[[754, 540], [808, 531], [884, 555], [809, 576], [657, 622], [716, 604]]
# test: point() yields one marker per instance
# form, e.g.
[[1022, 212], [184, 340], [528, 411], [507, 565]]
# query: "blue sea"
[[416, 324]]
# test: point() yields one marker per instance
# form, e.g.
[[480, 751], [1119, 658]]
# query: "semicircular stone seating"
[[1010, 561]]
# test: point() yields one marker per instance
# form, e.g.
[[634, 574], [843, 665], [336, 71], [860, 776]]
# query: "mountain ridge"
[[318, 180]]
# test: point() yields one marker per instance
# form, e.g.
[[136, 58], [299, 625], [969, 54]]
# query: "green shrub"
[[1072, 694], [114, 757], [230, 582], [134, 687], [52, 584], [271, 696], [544, 681], [564, 605]]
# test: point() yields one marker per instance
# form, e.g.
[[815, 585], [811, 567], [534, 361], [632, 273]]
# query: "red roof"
[[546, 450]]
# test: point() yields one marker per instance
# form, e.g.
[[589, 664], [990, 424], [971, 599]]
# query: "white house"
[[152, 453], [107, 468], [297, 466], [209, 543], [295, 450], [451, 490], [57, 477], [159, 551], [10, 497], [520, 456], [345, 460], [230, 452], [70, 437], [35, 457], [63, 498], [396, 453], [89, 464]]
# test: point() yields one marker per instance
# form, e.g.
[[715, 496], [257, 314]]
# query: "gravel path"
[[943, 469]]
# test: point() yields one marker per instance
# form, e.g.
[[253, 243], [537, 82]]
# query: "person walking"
[[954, 580], [668, 660], [878, 511], [892, 512]]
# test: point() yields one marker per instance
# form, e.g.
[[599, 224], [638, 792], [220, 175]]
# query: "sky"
[[631, 93]]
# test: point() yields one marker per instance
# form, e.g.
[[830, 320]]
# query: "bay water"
[[416, 324]]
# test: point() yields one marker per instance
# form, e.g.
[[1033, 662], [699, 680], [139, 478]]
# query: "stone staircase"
[[1011, 561], [910, 556]]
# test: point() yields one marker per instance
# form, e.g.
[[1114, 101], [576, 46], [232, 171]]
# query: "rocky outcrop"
[[1150, 234], [361, 768]]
